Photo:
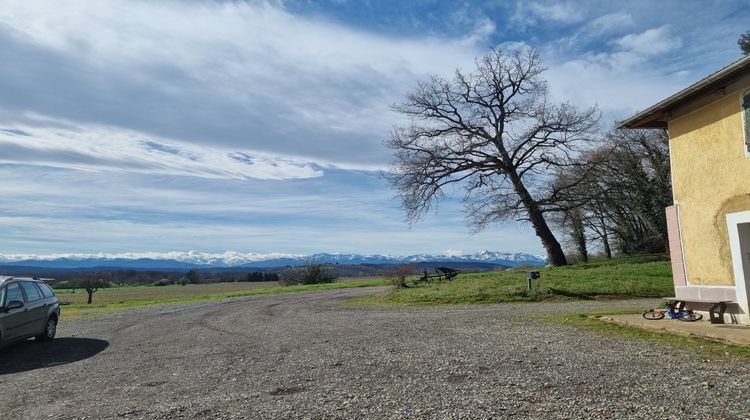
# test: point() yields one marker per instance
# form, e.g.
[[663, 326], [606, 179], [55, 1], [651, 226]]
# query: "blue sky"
[[142, 126]]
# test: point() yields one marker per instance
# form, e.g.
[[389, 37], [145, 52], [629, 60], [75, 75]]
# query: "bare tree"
[[623, 187], [493, 133], [573, 220], [92, 282], [398, 274], [583, 205]]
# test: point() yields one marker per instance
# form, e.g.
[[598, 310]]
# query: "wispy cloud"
[[610, 22], [120, 150], [533, 12], [247, 76], [650, 42]]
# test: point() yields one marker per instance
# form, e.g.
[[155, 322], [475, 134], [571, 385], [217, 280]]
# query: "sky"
[[175, 125]]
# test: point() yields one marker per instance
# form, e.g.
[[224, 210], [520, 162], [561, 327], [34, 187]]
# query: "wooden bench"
[[715, 313]]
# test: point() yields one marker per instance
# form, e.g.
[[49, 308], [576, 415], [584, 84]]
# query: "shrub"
[[306, 274], [162, 282], [398, 274]]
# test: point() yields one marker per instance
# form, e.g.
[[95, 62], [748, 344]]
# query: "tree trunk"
[[579, 236], [605, 237], [91, 294], [607, 249], [555, 254]]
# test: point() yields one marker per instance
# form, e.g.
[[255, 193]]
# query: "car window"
[[46, 291], [2, 296], [32, 293], [12, 293]]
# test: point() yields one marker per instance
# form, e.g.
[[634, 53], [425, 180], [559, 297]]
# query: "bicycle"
[[674, 312]]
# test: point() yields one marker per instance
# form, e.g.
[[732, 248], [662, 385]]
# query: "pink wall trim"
[[715, 293], [679, 276]]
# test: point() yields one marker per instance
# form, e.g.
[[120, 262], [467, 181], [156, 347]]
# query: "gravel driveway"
[[304, 356]]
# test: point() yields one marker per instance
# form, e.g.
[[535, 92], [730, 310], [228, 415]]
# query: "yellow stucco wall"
[[710, 177]]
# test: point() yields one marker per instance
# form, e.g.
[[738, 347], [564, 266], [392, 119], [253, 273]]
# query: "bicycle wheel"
[[653, 314], [691, 317]]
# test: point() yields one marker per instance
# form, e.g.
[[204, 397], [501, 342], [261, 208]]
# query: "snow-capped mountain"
[[195, 259]]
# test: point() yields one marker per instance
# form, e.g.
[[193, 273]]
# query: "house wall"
[[711, 178]]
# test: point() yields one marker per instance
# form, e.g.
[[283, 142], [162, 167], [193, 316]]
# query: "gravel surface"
[[304, 356]]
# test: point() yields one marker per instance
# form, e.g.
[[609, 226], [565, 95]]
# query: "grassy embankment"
[[662, 340], [641, 276], [120, 298]]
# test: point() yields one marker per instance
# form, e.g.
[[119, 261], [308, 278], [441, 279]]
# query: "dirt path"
[[303, 355]]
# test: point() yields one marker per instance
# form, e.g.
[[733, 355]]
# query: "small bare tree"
[[92, 282], [493, 133], [399, 273]]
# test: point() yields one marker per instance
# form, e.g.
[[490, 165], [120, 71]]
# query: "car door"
[[15, 321], [36, 308]]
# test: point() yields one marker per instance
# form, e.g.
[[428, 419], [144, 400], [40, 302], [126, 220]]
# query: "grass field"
[[136, 293], [641, 276], [119, 298]]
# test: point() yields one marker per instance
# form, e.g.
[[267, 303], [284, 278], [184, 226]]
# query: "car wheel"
[[49, 330]]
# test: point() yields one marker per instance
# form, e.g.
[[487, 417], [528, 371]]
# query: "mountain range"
[[231, 259]]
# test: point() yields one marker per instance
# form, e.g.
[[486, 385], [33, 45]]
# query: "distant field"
[[641, 276], [119, 298], [130, 293]]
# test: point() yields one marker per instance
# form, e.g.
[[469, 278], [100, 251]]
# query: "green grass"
[[641, 276], [121, 298], [662, 340], [129, 293]]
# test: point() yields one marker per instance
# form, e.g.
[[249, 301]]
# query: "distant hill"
[[180, 261]]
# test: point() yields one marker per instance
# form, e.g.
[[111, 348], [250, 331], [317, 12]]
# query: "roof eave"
[[655, 116], [642, 122]]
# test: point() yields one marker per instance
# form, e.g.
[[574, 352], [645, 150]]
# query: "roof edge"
[[693, 89]]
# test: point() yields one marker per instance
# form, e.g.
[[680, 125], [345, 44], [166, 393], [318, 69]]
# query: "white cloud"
[[62, 211], [479, 26], [98, 149], [532, 12], [40, 236], [560, 12], [622, 79], [608, 80], [650, 42], [514, 46], [483, 29], [239, 75], [610, 22]]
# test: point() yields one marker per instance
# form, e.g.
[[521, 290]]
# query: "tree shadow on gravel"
[[30, 354]]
